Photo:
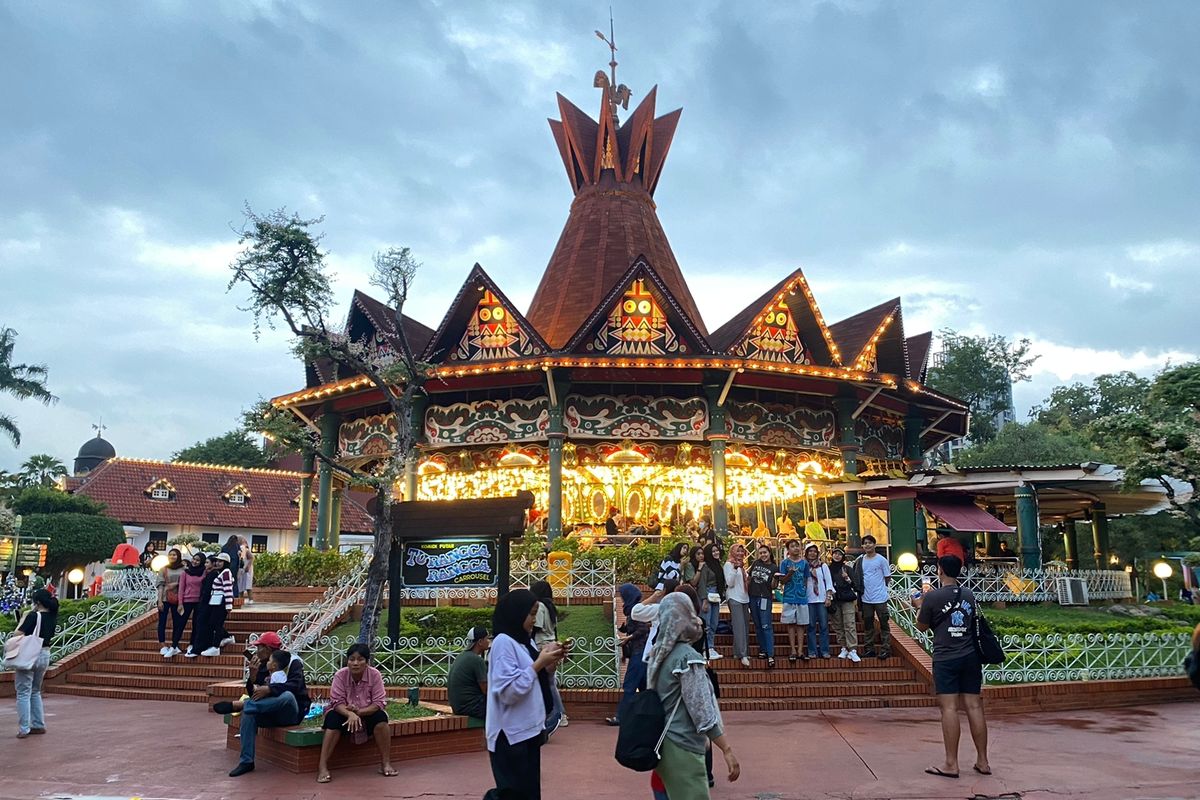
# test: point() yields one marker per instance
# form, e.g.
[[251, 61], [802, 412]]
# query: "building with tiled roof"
[[166, 499], [610, 390]]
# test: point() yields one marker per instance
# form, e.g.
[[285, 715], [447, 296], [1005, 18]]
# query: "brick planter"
[[299, 749], [288, 594]]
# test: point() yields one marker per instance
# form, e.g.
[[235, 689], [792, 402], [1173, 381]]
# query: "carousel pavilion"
[[611, 391]]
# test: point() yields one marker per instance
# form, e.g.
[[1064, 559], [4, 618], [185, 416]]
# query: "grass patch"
[[451, 622], [1018, 620], [395, 710]]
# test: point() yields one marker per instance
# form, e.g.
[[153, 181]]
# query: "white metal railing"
[[311, 622], [136, 583], [1015, 585], [93, 622], [426, 662], [585, 577]]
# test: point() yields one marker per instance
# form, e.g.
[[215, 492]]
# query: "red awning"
[[961, 514]]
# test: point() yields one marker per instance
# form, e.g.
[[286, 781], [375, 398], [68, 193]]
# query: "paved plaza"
[[113, 749]]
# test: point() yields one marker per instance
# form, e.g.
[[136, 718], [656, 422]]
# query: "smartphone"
[[248, 653]]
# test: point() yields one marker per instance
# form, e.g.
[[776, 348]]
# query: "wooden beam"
[[863, 405]]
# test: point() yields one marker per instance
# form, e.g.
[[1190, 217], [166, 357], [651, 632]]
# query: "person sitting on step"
[[357, 706]]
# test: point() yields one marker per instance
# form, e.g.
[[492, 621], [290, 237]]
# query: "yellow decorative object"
[[1018, 585], [558, 568], [814, 532]]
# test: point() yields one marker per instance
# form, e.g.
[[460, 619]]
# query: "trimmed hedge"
[[66, 609], [308, 567]]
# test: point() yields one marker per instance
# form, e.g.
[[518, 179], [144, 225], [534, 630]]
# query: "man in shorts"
[[793, 577], [950, 612]]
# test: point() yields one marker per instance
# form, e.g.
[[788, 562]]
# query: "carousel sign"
[[450, 562]]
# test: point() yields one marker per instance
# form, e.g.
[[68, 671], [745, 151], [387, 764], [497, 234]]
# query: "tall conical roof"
[[614, 171]]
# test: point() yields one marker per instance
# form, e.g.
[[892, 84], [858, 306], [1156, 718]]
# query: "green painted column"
[[1100, 535], [304, 524], [921, 532], [1071, 543], [849, 447], [1028, 528], [330, 424], [335, 519], [556, 435], [914, 457], [411, 487], [719, 509], [902, 527]]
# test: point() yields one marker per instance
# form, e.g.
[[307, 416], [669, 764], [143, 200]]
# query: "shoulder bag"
[[21, 650], [986, 643]]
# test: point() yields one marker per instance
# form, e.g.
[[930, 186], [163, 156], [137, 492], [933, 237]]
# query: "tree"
[[22, 381], [46, 500], [1033, 444], [75, 539], [283, 267], [1078, 408], [42, 470], [1162, 440], [980, 370], [234, 449]]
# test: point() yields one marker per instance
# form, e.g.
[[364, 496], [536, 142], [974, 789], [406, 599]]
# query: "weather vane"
[[99, 428], [618, 95]]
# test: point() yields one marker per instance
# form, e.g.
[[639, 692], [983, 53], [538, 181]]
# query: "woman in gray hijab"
[[676, 671]]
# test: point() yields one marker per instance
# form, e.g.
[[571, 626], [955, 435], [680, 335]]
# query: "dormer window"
[[238, 496], [161, 489]]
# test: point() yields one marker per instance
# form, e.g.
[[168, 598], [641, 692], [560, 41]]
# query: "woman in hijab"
[[31, 719], [632, 644], [169, 605], [710, 585], [190, 584], [545, 630], [676, 671], [518, 698]]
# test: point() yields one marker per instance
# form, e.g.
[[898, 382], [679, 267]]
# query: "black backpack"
[[642, 730]]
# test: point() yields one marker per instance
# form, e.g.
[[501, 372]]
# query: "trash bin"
[[558, 567]]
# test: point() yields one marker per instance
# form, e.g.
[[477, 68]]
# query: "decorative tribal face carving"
[[492, 333], [774, 337], [637, 326]]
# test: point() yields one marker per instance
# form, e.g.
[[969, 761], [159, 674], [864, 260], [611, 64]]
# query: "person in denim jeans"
[[763, 575], [820, 598], [710, 587], [31, 719], [271, 705]]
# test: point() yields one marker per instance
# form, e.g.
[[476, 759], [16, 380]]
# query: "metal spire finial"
[[617, 95], [99, 428]]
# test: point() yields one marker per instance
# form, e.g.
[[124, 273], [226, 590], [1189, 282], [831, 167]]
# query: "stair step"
[[846, 689], [152, 645], [151, 682], [728, 662], [175, 668], [83, 690], [827, 704], [784, 675], [152, 657]]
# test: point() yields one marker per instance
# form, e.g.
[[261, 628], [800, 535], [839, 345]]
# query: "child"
[[669, 567], [793, 575], [278, 664]]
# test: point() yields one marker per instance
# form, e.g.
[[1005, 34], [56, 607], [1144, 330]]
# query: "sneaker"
[[241, 769], [249, 602], [868, 653], [844, 653], [212, 651], [713, 654], [162, 651], [564, 722], [222, 707], [227, 640], [826, 655], [189, 653], [854, 657], [884, 656], [745, 661], [552, 727]]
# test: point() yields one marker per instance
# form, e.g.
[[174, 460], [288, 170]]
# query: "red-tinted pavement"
[[111, 749]]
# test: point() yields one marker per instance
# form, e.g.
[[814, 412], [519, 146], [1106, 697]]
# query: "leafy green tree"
[[22, 381], [283, 268], [1162, 439], [75, 539], [980, 370], [42, 470], [234, 449], [47, 500], [1033, 443], [10, 486]]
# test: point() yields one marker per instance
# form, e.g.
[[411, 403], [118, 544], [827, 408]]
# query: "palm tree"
[[42, 469], [22, 381]]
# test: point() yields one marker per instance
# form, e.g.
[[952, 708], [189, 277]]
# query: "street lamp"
[[158, 562], [75, 577], [1162, 570], [907, 562]]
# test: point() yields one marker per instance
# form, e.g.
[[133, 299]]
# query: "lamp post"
[[75, 577], [1162, 570], [907, 562]]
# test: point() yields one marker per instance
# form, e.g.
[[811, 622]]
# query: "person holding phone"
[[545, 631], [794, 576]]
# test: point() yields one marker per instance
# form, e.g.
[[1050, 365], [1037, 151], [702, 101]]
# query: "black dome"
[[97, 448], [93, 453]]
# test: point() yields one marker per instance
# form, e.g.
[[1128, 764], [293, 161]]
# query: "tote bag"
[[21, 651]]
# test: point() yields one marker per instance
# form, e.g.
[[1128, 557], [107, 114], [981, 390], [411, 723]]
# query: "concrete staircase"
[[818, 683], [134, 670]]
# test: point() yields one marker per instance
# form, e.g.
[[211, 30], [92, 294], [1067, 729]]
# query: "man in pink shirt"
[[357, 703]]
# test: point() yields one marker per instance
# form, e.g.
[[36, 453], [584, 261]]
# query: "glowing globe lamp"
[[907, 562], [158, 562]]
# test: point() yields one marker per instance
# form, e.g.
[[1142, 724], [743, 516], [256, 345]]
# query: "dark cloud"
[[1016, 168]]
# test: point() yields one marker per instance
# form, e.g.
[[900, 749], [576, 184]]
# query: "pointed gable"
[[918, 355], [873, 340], [783, 325], [639, 317], [374, 321], [482, 325]]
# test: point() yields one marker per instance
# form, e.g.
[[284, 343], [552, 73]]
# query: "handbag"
[[714, 597], [21, 651], [986, 643]]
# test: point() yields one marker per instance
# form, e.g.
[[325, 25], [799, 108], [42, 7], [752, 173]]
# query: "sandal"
[[770, 663], [326, 778], [613, 721], [792, 659], [389, 772], [940, 772]]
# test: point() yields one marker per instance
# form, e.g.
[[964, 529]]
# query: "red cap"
[[271, 639]]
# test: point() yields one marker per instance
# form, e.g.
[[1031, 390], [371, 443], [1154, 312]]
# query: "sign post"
[[452, 544]]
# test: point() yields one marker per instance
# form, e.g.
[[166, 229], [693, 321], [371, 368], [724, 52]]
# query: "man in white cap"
[[466, 684]]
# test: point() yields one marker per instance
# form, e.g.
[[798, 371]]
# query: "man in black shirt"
[[951, 613]]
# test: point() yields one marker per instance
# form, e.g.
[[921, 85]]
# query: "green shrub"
[[44, 500], [66, 609], [308, 567], [75, 539], [1182, 613]]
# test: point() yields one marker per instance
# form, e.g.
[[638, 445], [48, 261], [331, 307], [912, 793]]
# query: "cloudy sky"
[[1028, 169]]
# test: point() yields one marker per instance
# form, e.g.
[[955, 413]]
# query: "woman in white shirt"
[[820, 598], [738, 596], [518, 698]]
